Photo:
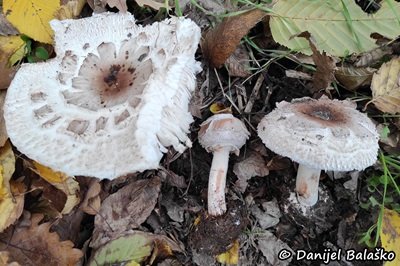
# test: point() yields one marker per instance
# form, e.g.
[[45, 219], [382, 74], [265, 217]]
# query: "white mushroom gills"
[[320, 135], [221, 134]]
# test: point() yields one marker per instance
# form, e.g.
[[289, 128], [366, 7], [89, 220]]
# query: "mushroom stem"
[[307, 182], [217, 182]]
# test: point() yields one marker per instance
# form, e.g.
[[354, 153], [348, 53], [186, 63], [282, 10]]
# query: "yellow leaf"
[[217, 108], [9, 46], [11, 193], [231, 257], [62, 182], [390, 235], [31, 17], [385, 87]]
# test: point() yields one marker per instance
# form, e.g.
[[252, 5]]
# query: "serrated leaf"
[[390, 235], [339, 27], [31, 17], [385, 87]]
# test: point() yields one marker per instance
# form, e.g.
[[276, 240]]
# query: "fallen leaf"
[[36, 245], [4, 259], [353, 78], [253, 165], [230, 257], [11, 193], [92, 201], [61, 181], [238, 63], [32, 17], [222, 41], [8, 46], [6, 28], [372, 57], [385, 87], [153, 4], [126, 209], [271, 246], [3, 131], [132, 249], [69, 9], [119, 4], [324, 75], [269, 215], [49, 200], [390, 235]]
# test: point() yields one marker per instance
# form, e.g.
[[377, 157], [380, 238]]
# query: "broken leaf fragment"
[[32, 17], [36, 245], [385, 87], [230, 257], [133, 249], [390, 235]]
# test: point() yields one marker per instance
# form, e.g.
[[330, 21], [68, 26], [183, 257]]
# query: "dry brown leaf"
[[36, 245], [3, 131], [119, 4], [91, 203], [385, 87], [222, 41], [253, 165], [126, 209], [5, 259], [372, 57], [238, 63], [69, 9], [8, 46], [51, 201], [324, 75], [353, 78], [151, 3]]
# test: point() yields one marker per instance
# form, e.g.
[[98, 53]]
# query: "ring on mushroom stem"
[[111, 101], [320, 135], [221, 134]]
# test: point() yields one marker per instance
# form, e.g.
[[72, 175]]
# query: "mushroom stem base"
[[307, 182], [217, 182]]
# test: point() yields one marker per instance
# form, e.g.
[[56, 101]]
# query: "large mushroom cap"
[[223, 130], [321, 134], [114, 97]]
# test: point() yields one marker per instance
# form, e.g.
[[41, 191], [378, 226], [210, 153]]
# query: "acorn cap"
[[111, 101], [223, 130], [322, 134]]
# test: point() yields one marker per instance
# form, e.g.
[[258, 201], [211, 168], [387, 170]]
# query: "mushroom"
[[319, 134], [221, 134], [111, 101]]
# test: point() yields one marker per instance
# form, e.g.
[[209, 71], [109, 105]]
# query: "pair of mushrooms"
[[319, 134]]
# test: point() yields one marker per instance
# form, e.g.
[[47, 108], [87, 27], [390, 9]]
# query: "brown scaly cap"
[[323, 134]]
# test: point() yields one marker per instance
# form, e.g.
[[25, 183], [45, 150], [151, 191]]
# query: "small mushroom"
[[319, 134], [221, 134], [111, 101]]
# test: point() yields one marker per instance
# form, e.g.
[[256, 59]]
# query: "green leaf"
[[338, 27], [41, 53]]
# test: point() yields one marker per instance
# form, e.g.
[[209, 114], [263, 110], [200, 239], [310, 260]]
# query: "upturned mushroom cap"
[[321, 134], [223, 130], [112, 100]]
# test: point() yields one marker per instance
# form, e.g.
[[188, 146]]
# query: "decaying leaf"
[[271, 246], [132, 249], [91, 203], [11, 192], [372, 57], [253, 165], [152, 3], [8, 46], [61, 181], [36, 245], [238, 63], [69, 9], [385, 87], [222, 41], [325, 64], [327, 23], [119, 4], [390, 235], [126, 209], [269, 215], [5, 259], [231, 257], [3, 131], [32, 17], [353, 78]]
